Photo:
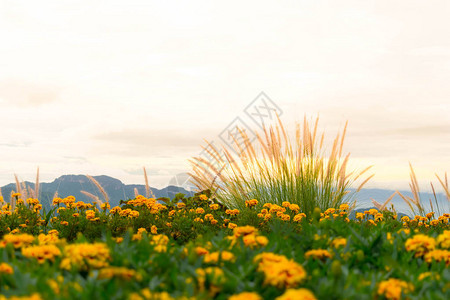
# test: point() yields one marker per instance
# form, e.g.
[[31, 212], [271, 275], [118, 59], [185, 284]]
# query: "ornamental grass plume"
[[274, 169], [416, 203]]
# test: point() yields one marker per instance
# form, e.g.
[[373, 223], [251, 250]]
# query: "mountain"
[[68, 185]]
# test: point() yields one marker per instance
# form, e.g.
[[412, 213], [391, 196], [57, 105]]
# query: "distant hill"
[[67, 185]]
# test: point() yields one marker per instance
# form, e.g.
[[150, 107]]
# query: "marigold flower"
[[420, 244], [5, 268], [251, 203], [321, 254], [339, 242], [17, 240], [214, 257], [85, 256], [443, 240], [246, 296], [41, 252], [214, 206], [393, 288], [300, 294], [438, 255], [280, 271]]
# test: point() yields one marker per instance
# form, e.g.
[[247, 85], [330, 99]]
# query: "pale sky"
[[107, 87]]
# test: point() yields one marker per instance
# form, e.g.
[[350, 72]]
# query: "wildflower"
[[200, 210], [251, 203], [48, 239], [285, 204], [214, 206], [118, 240], [181, 205], [405, 219], [420, 244], [443, 240], [280, 271], [318, 254], [438, 255], [160, 242], [431, 275], [214, 257], [42, 252], [231, 225], [17, 240], [344, 206], [300, 294], [232, 212], [6, 269], [339, 242], [246, 296], [64, 223], [154, 229], [294, 207], [203, 197], [90, 214], [115, 210], [201, 251], [105, 206], [85, 256], [430, 215], [299, 217], [393, 288]]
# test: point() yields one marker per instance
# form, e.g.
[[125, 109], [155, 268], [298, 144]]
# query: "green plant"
[[274, 169]]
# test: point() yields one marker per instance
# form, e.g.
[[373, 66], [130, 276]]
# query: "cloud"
[[24, 93]]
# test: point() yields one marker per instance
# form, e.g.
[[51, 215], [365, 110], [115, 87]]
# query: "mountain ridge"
[[72, 185]]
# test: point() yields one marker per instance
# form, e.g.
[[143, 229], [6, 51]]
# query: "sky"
[[109, 87]]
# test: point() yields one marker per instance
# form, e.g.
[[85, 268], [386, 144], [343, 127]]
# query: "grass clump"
[[275, 169]]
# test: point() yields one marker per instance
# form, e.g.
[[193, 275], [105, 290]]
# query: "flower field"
[[196, 248]]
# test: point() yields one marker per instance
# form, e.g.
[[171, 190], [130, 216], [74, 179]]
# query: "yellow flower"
[[105, 206], [203, 197], [201, 251], [200, 210], [344, 206], [17, 240], [251, 203], [443, 239], [280, 271], [339, 242], [393, 288], [214, 206], [300, 294], [214, 257], [42, 252], [420, 244], [246, 296], [438, 255], [430, 275], [154, 229], [85, 256], [6, 269], [231, 225], [318, 254]]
